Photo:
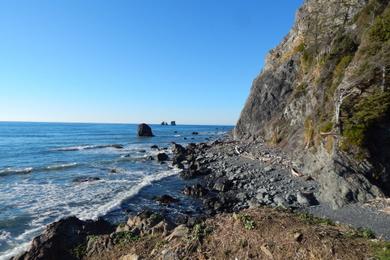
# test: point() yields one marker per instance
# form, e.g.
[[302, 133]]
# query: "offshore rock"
[[144, 130]]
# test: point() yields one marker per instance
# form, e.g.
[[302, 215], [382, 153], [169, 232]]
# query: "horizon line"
[[108, 123]]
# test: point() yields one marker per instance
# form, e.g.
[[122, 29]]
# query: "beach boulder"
[[162, 157], [145, 130], [60, 238]]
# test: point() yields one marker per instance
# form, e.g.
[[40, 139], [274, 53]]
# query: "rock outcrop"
[[144, 130], [324, 97], [60, 239]]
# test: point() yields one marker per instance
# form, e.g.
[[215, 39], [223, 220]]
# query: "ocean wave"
[[88, 147], [64, 203], [14, 251], [120, 197], [61, 166], [10, 170], [4, 235], [27, 170]]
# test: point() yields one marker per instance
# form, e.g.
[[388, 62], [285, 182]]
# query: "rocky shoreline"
[[231, 177]]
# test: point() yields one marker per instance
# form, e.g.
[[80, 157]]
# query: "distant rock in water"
[[164, 123], [145, 130], [173, 122], [85, 179]]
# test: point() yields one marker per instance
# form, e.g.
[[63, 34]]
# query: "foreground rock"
[[60, 239], [166, 199], [144, 130], [162, 157]]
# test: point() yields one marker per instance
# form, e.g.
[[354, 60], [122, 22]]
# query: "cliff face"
[[324, 97]]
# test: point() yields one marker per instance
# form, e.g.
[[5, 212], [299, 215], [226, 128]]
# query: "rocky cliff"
[[324, 97]]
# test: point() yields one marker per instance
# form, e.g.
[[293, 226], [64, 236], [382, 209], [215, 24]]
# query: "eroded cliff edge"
[[323, 96]]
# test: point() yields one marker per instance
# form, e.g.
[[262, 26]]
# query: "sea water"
[[52, 170]]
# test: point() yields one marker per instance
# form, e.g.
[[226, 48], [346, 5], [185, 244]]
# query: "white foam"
[[116, 202], [4, 236], [86, 147], [49, 202], [26, 170], [61, 166], [15, 251]]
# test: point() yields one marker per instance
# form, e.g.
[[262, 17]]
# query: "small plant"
[[381, 250], [366, 233], [309, 132], [92, 238], [246, 220], [326, 127], [200, 231], [300, 90], [368, 111], [80, 250], [380, 31], [300, 47], [361, 232], [124, 237], [310, 219]]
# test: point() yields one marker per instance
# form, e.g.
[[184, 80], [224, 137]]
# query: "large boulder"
[[162, 157], [144, 130], [60, 239]]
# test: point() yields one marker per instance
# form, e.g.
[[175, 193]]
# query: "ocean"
[[52, 170]]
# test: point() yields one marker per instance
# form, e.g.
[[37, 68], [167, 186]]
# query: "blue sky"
[[192, 61]]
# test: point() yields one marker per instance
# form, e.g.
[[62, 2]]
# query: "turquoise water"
[[40, 162]]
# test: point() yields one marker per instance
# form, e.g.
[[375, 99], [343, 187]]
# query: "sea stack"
[[173, 122], [144, 130]]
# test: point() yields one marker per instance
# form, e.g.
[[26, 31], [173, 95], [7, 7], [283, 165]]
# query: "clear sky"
[[129, 61]]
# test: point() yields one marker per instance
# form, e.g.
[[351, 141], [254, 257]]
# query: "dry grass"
[[275, 237], [262, 233]]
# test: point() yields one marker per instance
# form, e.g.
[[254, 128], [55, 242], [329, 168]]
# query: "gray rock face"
[[144, 130], [296, 91]]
